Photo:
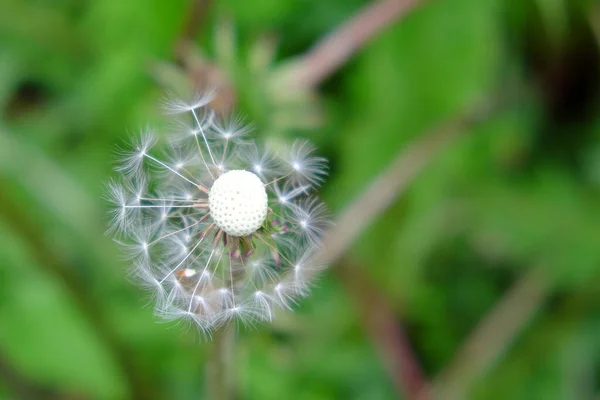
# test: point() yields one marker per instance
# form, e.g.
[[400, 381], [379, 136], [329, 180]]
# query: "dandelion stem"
[[220, 368]]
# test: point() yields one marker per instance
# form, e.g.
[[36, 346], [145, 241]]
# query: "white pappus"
[[218, 228]]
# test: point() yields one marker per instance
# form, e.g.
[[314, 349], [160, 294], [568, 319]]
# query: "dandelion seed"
[[304, 167], [217, 228], [175, 105]]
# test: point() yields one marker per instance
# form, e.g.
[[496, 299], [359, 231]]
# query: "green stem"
[[219, 372]]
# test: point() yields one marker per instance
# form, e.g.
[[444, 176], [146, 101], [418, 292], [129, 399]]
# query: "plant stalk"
[[220, 381]]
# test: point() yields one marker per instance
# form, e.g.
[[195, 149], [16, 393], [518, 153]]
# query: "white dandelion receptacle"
[[218, 228], [238, 203]]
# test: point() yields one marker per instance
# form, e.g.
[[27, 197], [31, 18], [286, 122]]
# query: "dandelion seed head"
[[218, 228]]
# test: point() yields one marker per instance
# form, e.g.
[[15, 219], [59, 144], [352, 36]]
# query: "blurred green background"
[[518, 192]]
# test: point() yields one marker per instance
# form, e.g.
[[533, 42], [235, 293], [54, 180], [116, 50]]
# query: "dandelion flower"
[[218, 228]]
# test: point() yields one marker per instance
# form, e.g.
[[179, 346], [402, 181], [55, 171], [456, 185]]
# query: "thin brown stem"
[[385, 329], [331, 52], [195, 17], [493, 334], [393, 181], [402, 366]]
